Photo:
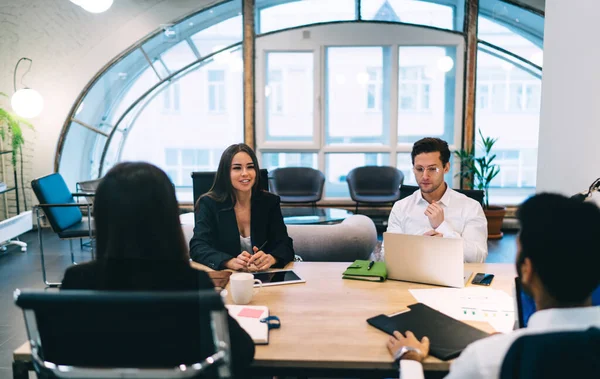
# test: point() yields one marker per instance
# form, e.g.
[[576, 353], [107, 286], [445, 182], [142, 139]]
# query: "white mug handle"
[[257, 281]]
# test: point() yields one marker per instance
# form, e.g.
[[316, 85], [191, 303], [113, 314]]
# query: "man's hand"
[[239, 263], [260, 261], [397, 341], [433, 233], [435, 213]]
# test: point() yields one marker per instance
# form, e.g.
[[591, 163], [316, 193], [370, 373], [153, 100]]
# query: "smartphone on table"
[[483, 279]]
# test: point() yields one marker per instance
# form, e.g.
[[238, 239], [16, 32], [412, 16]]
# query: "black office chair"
[[127, 334], [63, 214], [554, 355], [298, 184], [202, 182], [374, 184], [477, 195]]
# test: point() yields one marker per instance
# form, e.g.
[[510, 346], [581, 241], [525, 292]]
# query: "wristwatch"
[[405, 350]]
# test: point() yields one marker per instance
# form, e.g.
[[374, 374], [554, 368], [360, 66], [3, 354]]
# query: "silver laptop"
[[425, 259]]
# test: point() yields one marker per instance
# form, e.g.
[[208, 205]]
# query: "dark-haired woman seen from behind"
[[141, 247], [239, 226]]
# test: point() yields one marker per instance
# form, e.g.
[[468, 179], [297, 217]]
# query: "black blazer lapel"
[[259, 222], [229, 233]]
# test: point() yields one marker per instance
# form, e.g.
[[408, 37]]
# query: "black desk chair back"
[[374, 184], [476, 195], [554, 355], [62, 212], [158, 334], [202, 182], [298, 184]]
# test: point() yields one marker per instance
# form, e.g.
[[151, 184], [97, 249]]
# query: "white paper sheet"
[[471, 303]]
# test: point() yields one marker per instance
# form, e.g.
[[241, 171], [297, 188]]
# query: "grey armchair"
[[374, 184], [354, 238]]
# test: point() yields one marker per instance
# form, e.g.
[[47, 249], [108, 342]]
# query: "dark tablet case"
[[448, 337]]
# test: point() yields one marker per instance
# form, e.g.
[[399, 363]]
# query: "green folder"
[[359, 270]]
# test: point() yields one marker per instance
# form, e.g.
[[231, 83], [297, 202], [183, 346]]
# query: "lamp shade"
[[27, 103], [445, 63]]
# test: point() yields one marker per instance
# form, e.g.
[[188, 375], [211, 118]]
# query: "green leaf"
[[11, 126], [482, 170]]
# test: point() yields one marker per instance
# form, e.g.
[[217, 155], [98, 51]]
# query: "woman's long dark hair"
[[137, 215], [222, 189]]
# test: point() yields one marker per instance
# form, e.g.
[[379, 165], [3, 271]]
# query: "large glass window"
[[508, 108], [356, 96], [332, 97], [289, 14], [512, 28], [218, 36], [372, 100], [115, 91], [146, 104], [216, 97], [178, 56], [426, 92], [197, 135], [171, 97], [271, 161], [289, 96], [413, 12]]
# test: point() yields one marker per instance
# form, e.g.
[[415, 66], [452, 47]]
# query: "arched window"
[[509, 87], [339, 84]]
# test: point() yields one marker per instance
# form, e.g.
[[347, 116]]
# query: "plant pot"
[[495, 216]]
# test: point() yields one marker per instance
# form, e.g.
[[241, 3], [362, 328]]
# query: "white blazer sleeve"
[[411, 370]]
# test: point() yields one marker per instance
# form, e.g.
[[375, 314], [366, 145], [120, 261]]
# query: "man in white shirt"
[[557, 262], [437, 210]]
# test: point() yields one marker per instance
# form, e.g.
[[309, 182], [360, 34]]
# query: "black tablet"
[[274, 278]]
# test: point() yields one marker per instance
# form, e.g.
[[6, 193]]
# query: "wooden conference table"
[[323, 322]]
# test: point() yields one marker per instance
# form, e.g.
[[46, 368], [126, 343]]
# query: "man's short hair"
[[560, 237], [431, 145]]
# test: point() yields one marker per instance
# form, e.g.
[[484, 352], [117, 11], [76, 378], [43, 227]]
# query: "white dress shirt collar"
[[444, 200], [563, 318]]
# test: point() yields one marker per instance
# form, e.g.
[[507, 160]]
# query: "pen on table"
[[370, 265]]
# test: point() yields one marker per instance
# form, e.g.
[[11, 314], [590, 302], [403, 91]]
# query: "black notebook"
[[447, 336]]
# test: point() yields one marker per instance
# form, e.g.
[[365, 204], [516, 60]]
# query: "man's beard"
[[433, 189]]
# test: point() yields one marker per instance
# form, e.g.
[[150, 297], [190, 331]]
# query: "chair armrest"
[[87, 205], [81, 194]]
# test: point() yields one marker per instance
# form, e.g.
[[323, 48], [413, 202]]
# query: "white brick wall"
[[68, 47]]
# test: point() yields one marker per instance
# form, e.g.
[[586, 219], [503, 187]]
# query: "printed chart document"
[[249, 316], [471, 303]]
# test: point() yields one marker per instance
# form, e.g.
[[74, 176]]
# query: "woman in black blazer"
[[141, 247], [238, 226]]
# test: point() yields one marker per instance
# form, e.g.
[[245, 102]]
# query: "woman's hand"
[[260, 261], [239, 263]]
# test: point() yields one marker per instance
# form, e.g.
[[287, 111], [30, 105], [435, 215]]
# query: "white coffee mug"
[[242, 287]]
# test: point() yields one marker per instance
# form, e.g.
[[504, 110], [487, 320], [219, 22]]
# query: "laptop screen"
[[526, 305]]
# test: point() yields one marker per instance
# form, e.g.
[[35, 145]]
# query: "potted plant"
[[10, 126], [479, 173]]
